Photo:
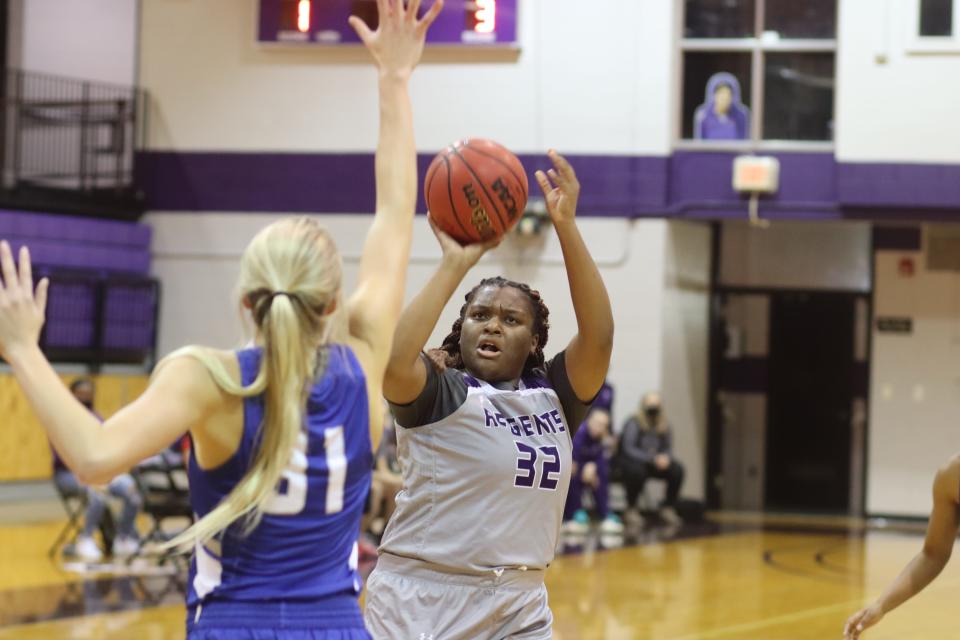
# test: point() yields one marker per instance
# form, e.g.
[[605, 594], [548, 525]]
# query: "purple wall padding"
[[129, 317], [68, 242], [70, 315]]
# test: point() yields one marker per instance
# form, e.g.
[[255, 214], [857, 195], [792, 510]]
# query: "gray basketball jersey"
[[485, 471]]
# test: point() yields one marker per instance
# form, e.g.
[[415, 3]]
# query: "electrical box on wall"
[[756, 174]]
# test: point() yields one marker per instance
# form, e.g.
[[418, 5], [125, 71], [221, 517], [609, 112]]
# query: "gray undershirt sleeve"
[[442, 394], [573, 408]]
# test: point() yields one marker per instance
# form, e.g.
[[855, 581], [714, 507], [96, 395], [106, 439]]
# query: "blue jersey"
[[305, 547]]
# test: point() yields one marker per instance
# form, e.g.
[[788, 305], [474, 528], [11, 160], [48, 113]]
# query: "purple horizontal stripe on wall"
[[617, 185], [701, 186], [900, 185], [703, 176], [689, 184], [344, 183], [257, 181]]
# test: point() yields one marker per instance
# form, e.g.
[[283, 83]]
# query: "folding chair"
[[162, 480], [75, 505]]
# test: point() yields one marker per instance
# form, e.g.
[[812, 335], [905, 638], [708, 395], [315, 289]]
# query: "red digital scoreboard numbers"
[[469, 23], [482, 17], [303, 15]]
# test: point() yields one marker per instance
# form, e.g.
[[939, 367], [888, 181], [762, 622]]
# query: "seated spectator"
[[123, 486], [590, 470], [645, 451]]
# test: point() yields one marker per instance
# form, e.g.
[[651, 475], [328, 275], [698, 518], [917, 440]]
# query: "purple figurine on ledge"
[[722, 116]]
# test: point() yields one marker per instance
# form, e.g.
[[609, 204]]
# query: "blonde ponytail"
[[290, 278]]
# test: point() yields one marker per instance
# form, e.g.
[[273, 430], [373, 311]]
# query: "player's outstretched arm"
[[926, 565], [374, 308], [396, 47], [179, 398], [406, 373], [588, 354]]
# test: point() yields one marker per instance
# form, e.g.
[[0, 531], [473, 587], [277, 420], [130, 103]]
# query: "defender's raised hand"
[[397, 44], [21, 310]]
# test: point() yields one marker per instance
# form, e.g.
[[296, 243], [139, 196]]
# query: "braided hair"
[[448, 355]]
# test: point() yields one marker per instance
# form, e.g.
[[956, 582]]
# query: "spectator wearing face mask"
[[123, 486], [646, 451]]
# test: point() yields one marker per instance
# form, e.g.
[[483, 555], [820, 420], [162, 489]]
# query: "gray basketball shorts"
[[410, 600]]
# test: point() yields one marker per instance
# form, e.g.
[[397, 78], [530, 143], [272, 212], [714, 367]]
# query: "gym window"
[[758, 72], [934, 26]]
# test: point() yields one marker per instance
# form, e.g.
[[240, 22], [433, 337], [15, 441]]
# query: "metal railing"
[[66, 134]]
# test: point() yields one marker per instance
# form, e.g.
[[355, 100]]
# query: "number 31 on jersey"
[[294, 497]]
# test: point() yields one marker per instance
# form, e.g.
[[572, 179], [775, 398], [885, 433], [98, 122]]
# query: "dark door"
[[811, 384]]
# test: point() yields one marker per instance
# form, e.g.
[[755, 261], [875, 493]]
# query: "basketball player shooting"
[[485, 443]]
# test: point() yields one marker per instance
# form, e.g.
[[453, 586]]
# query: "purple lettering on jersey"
[[558, 420], [525, 425], [542, 422], [527, 465], [551, 469]]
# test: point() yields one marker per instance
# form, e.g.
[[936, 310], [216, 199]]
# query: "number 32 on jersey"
[[527, 467]]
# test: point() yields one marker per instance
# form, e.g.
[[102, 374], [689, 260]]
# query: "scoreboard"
[[470, 23]]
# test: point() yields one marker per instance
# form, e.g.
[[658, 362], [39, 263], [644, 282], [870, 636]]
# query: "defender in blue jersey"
[[305, 546], [282, 433]]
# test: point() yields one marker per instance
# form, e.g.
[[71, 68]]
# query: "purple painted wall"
[[685, 185], [701, 187], [343, 183], [900, 185]]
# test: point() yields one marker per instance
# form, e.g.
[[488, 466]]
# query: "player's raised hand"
[[397, 43], [461, 257], [21, 311], [560, 188]]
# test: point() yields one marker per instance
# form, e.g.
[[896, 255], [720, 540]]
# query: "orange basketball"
[[476, 190]]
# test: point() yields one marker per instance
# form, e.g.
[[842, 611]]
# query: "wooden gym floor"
[[739, 576]]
